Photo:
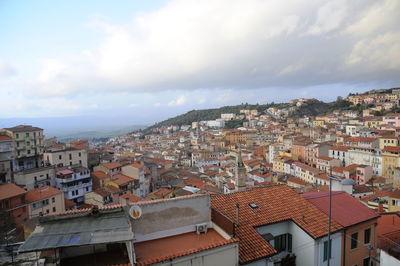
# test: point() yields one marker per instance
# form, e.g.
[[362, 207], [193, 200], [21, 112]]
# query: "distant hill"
[[311, 108]]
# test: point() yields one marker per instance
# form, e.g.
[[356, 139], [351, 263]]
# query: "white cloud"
[[178, 101], [238, 44], [6, 69]]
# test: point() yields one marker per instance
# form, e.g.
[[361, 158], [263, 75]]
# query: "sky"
[[144, 61]]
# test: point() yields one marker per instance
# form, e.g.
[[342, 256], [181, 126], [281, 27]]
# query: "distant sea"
[[77, 127]]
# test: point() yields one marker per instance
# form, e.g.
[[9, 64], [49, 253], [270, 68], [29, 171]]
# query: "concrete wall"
[[227, 255], [44, 176], [54, 157], [58, 204], [336, 250], [171, 217]]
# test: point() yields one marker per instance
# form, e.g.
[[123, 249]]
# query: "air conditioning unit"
[[201, 228]]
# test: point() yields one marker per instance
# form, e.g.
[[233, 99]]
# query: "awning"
[[108, 226]]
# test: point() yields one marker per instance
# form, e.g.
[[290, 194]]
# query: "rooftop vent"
[[253, 205]]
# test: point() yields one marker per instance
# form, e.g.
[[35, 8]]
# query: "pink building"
[[363, 174], [392, 119]]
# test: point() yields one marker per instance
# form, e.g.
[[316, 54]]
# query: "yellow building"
[[356, 99], [390, 161], [318, 123], [388, 141], [278, 165], [392, 97], [372, 123]]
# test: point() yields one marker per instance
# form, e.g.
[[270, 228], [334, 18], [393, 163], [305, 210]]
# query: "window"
[[80, 161], [29, 151], [367, 236], [87, 189], [366, 262], [59, 157], [327, 253], [53, 199], [54, 209], [17, 136], [354, 240], [70, 156], [27, 134], [79, 154], [283, 242]]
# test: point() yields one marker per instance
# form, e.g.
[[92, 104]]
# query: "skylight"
[[253, 205]]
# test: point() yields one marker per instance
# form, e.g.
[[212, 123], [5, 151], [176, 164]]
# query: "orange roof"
[[391, 149], [297, 181], [163, 249], [339, 148], [130, 197], [41, 193], [99, 175], [112, 165], [10, 190], [4, 137], [323, 176], [137, 165], [272, 208], [160, 193], [306, 167], [326, 158], [121, 179]]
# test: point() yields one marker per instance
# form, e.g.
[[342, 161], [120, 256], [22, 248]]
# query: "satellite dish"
[[135, 212]]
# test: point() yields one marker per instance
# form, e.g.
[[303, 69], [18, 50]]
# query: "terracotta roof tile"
[[276, 203], [10, 190], [41, 193], [99, 175], [162, 249], [346, 210]]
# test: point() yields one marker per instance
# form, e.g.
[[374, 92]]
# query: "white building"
[[75, 181]]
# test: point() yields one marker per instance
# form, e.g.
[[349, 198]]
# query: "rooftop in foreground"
[[154, 251]]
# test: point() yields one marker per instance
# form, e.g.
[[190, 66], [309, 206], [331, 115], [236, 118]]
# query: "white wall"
[[227, 255], [387, 260], [336, 250]]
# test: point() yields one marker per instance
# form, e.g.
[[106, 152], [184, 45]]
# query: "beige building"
[[65, 157], [35, 177], [45, 200], [27, 146]]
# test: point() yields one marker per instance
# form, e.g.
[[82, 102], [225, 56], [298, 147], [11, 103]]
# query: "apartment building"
[[35, 177], [274, 230], [6, 153], [12, 201], [44, 201], [27, 146], [359, 237], [65, 157], [75, 181]]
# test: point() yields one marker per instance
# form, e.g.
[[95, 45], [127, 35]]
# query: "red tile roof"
[[112, 165], [297, 181], [346, 210], [41, 193], [167, 248], [121, 179], [391, 149], [339, 148], [5, 137], [100, 175], [137, 165], [10, 190], [276, 204], [130, 197]]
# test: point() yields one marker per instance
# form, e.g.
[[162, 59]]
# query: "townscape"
[[278, 189]]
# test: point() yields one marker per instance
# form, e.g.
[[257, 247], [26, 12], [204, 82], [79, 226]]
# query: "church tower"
[[241, 174]]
